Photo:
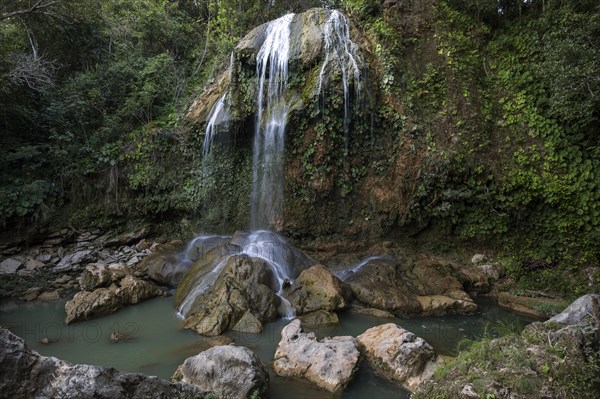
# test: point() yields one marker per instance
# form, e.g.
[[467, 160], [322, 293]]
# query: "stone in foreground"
[[398, 354], [329, 363], [26, 374], [229, 371]]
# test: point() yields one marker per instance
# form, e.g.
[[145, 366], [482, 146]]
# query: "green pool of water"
[[158, 344]]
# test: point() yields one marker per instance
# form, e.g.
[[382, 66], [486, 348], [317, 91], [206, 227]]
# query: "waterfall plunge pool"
[[158, 344]]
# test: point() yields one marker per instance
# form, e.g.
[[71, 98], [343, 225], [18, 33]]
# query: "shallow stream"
[[158, 344]]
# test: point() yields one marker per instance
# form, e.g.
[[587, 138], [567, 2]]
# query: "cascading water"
[[340, 48], [218, 119], [266, 208], [262, 244]]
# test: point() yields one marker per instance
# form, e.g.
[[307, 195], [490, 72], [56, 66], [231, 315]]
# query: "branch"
[[35, 7]]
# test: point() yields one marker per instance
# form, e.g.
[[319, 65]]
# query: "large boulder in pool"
[[317, 289], [422, 286], [381, 284], [238, 299], [398, 354], [230, 371], [26, 374], [130, 290], [329, 363]]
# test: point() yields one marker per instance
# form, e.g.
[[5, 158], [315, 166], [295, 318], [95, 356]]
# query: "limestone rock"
[[49, 296], [329, 363], [34, 264], [102, 301], [239, 288], [126, 238], [10, 266], [380, 284], [86, 305], [317, 289], [165, 266], [35, 376], [73, 261], [398, 354], [319, 317], [585, 307], [133, 290], [229, 371], [440, 305]]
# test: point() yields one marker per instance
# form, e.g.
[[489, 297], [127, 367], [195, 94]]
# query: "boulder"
[[165, 266], [584, 308], [317, 289], [229, 371], [398, 354], [28, 375], [10, 266], [444, 283], [441, 305], [240, 288], [86, 305], [329, 363], [95, 276], [133, 290], [381, 284], [102, 301]]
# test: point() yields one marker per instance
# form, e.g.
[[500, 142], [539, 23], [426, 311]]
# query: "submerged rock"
[[329, 363], [317, 289], [398, 354], [26, 374], [229, 371]]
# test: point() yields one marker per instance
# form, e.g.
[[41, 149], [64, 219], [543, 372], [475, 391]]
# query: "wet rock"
[[317, 289], [248, 323], [440, 305], [35, 376], [584, 308], [319, 317], [86, 305], [10, 266], [357, 308], [228, 371], [73, 261], [380, 284], [240, 286], [31, 293], [133, 290], [165, 267], [329, 363], [398, 354], [49, 296]]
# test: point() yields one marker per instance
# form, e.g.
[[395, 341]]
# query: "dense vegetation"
[[497, 101]]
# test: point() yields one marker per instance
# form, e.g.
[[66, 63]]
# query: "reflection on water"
[[160, 345]]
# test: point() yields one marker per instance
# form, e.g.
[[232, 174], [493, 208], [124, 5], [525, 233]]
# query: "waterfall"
[[218, 118], [340, 49], [266, 208]]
